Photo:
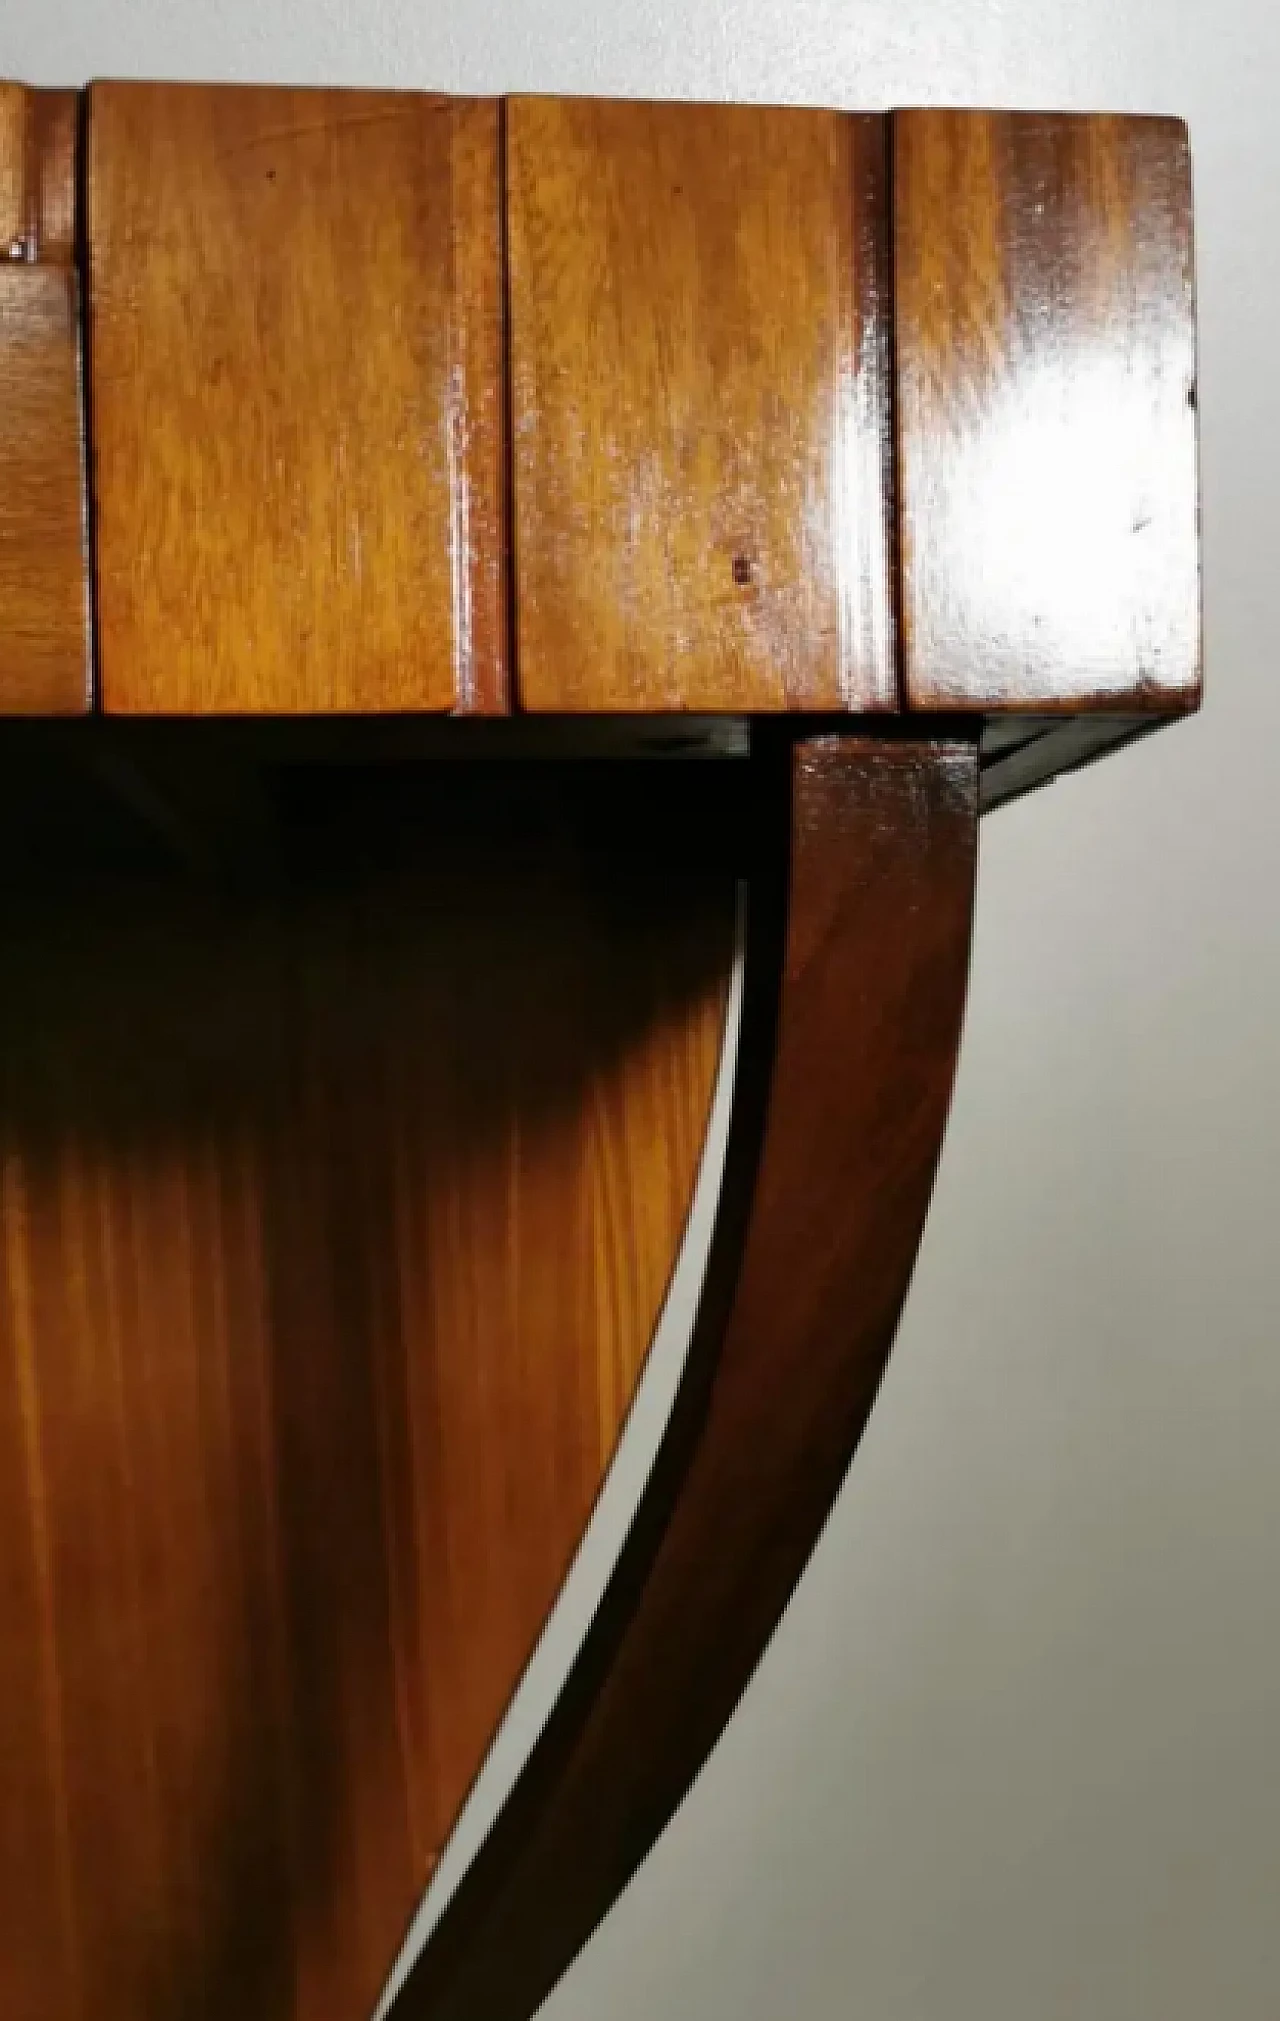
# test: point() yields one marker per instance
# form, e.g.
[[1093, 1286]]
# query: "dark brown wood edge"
[[1056, 748], [858, 940]]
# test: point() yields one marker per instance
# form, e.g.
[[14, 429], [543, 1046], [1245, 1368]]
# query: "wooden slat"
[[38, 174], [334, 1225], [44, 643], [698, 338], [297, 396], [1046, 412]]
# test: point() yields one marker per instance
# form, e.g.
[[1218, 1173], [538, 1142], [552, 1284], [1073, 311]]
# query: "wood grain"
[[1046, 385], [44, 643], [297, 397], [855, 989], [335, 1218], [37, 174], [698, 332]]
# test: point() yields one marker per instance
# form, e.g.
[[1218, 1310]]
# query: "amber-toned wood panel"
[[698, 331], [44, 643], [37, 174], [297, 399], [334, 1224], [1046, 398]]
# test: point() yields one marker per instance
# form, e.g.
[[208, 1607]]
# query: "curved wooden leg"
[[855, 987]]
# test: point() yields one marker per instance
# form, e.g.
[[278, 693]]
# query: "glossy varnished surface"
[[44, 639], [297, 399], [855, 989], [37, 174], [699, 388], [334, 1223], [1045, 349], [310, 340]]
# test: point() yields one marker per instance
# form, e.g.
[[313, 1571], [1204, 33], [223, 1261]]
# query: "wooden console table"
[[481, 583]]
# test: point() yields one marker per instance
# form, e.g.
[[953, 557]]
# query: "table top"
[[341, 403]]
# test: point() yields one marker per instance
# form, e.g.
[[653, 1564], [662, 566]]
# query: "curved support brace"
[[855, 980]]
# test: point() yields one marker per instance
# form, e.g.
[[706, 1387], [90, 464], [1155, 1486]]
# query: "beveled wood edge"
[[865, 868]]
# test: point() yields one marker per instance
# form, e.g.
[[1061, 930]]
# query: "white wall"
[[1016, 1753]]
